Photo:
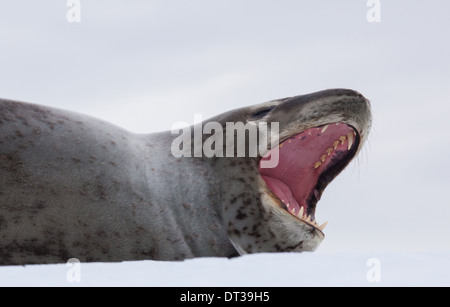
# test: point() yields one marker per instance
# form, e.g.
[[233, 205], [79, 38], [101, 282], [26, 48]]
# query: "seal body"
[[75, 187], [72, 186]]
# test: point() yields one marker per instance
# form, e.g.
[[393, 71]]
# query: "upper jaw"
[[361, 129]]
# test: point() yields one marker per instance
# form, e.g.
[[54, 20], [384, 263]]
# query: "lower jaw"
[[304, 217]]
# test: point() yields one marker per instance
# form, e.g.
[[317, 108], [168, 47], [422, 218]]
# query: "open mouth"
[[308, 162]]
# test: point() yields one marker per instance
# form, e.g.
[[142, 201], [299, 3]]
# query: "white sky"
[[145, 65]]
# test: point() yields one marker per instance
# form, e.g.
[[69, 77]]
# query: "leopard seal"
[[73, 186]]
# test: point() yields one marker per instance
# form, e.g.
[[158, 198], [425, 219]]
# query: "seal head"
[[272, 209]]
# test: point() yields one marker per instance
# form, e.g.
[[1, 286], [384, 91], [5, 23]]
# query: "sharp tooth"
[[308, 219], [350, 140], [329, 151], [335, 144], [324, 128], [342, 139], [300, 213], [291, 208], [317, 164], [323, 158], [323, 226]]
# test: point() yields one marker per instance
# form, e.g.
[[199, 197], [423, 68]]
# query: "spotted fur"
[[72, 186]]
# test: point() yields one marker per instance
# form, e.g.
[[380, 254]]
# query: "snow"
[[258, 270]]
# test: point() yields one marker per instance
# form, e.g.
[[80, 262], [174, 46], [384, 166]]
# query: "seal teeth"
[[335, 144], [324, 128], [351, 138], [300, 213], [329, 151], [304, 217], [322, 227]]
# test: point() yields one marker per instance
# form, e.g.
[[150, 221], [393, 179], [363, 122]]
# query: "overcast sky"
[[145, 65]]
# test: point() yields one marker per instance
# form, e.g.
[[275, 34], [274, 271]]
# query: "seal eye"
[[263, 112]]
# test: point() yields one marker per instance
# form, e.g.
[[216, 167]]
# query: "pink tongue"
[[300, 163]]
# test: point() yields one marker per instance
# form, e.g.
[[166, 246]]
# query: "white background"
[[145, 65]]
